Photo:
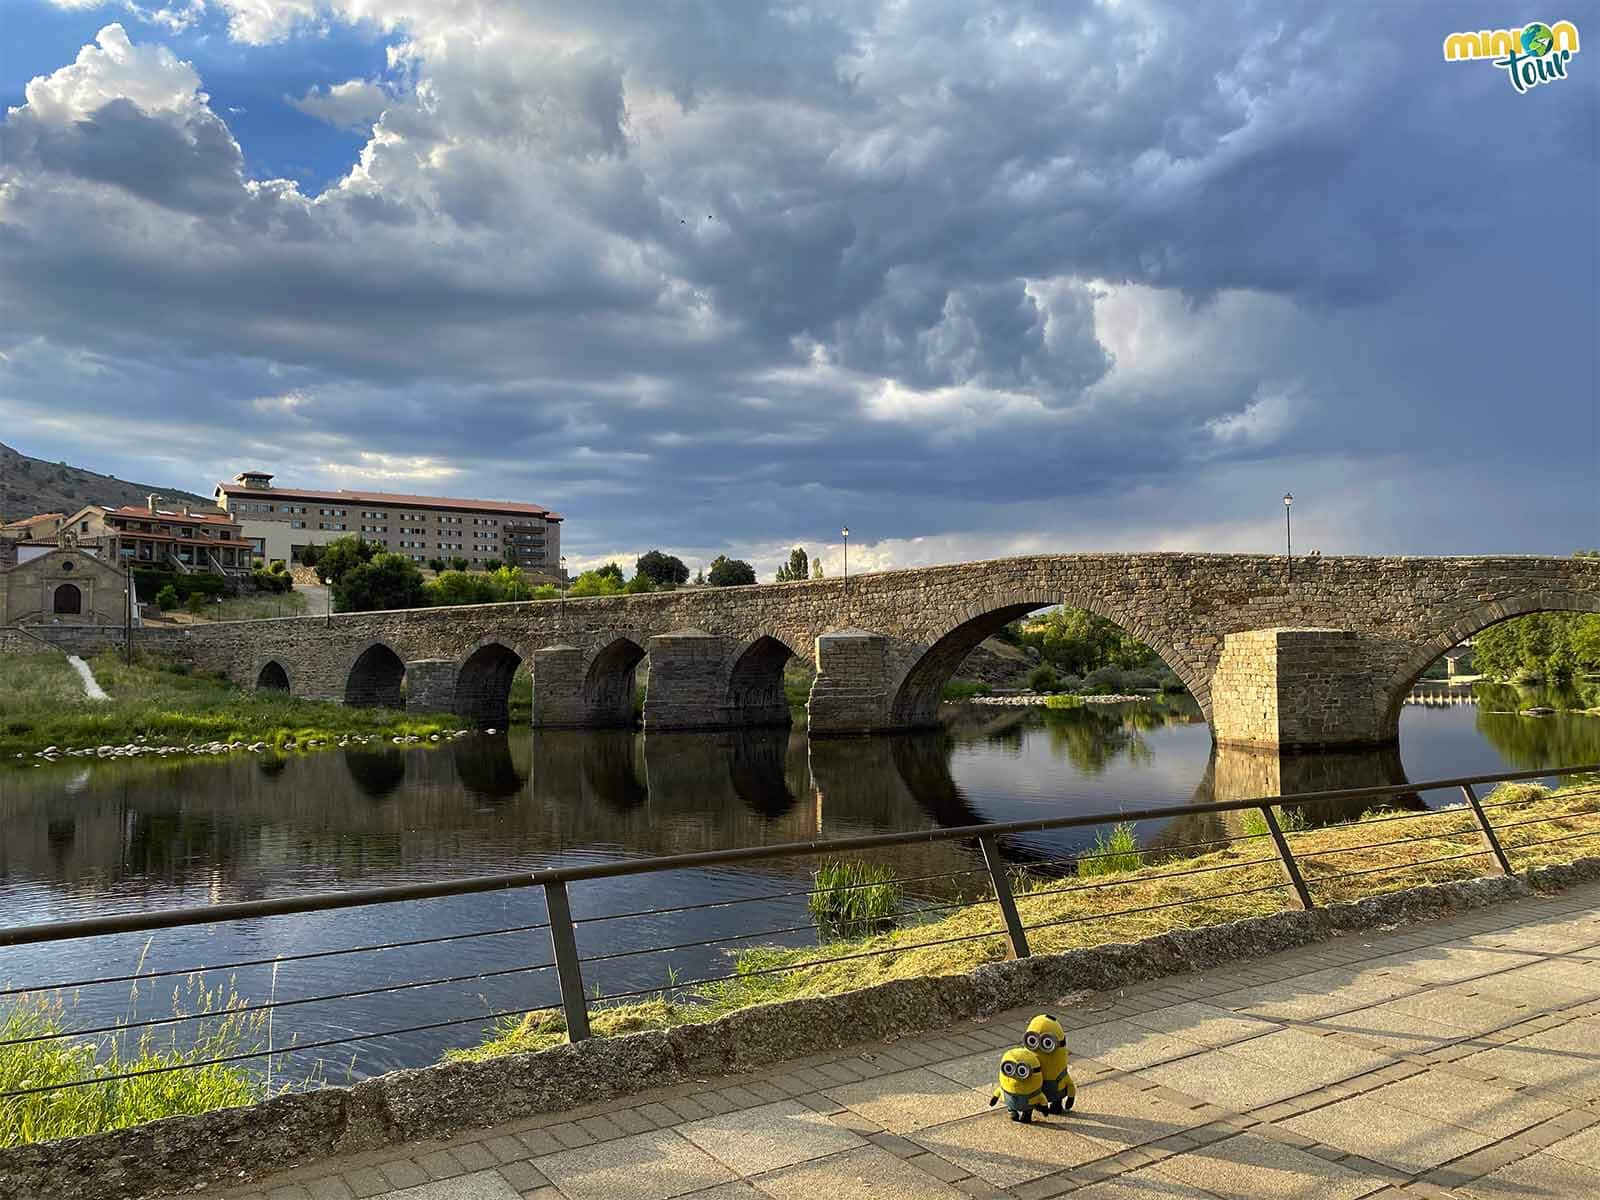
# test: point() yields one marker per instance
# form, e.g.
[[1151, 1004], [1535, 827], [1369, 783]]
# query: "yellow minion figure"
[[1048, 1040], [1020, 1084]]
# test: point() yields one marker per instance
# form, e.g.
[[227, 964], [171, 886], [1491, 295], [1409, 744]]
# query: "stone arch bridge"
[[1320, 660]]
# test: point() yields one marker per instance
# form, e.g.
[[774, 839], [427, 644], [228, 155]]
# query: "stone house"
[[65, 585]]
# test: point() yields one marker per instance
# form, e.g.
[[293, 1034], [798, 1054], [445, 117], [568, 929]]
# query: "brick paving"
[[1454, 1059]]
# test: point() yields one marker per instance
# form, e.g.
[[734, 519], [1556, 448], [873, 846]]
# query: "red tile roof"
[[34, 520], [400, 499]]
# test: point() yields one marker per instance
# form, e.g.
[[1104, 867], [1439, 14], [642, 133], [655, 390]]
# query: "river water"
[[80, 839]]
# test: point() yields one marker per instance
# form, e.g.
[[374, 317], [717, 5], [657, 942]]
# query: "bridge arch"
[[376, 679], [1399, 684], [608, 680], [755, 681], [483, 684], [915, 695], [272, 676]]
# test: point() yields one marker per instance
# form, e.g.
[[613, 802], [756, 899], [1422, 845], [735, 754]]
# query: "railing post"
[[1015, 934], [1290, 867], [1485, 830], [568, 972]]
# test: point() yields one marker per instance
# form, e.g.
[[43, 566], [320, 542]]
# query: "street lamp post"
[[845, 533], [561, 616], [1288, 541]]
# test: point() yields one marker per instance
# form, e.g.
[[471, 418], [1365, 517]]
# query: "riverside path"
[[1451, 1059]]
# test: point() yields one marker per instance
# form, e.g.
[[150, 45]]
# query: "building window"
[[68, 600]]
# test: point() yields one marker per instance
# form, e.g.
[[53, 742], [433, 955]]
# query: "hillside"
[[32, 485]]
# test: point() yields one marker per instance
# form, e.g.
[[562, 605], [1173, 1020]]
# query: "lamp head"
[[1288, 499], [845, 532]]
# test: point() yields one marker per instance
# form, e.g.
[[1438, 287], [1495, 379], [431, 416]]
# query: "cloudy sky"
[[720, 276]]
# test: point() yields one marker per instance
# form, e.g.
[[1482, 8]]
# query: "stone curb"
[[177, 1153]]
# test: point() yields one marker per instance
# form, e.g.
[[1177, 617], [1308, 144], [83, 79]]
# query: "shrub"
[[1043, 678], [1115, 852], [195, 604], [436, 565], [1103, 681], [167, 598], [271, 581], [853, 899]]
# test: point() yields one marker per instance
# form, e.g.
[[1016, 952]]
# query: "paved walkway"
[[1460, 1058]]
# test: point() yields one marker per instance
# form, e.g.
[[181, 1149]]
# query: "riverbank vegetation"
[[1136, 892], [1550, 647], [42, 704], [119, 1103]]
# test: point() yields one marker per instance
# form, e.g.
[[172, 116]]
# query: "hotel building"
[[279, 522]]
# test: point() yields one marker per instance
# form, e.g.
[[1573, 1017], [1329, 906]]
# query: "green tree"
[[386, 581], [437, 565], [1548, 645], [460, 587], [343, 555], [611, 569], [458, 563], [816, 568], [167, 598], [730, 572], [511, 584], [492, 564], [595, 583], [663, 570], [1077, 641], [798, 567], [195, 604]]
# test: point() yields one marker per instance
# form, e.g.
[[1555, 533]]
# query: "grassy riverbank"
[[42, 704], [1064, 914], [119, 1103]]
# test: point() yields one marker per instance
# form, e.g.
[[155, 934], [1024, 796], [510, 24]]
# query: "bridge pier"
[[558, 688], [851, 692], [688, 682], [1301, 688], [430, 685]]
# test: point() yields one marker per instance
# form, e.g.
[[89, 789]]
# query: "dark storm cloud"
[[754, 270]]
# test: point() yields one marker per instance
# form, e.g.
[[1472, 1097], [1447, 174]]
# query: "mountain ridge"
[[29, 486]]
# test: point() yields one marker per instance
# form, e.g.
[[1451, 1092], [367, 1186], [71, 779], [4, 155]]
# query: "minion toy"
[[1020, 1084], [1048, 1040]]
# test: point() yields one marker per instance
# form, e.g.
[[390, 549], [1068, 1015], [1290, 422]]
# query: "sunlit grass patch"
[[199, 1086]]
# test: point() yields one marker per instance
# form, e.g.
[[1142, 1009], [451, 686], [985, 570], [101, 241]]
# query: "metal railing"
[[1302, 876]]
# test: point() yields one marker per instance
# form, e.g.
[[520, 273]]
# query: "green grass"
[[1290, 820], [1063, 700], [1062, 915], [38, 708], [1115, 852], [256, 606], [853, 898], [117, 1104], [959, 690]]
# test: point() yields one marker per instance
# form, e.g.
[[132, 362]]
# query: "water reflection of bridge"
[[145, 830], [1441, 694]]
